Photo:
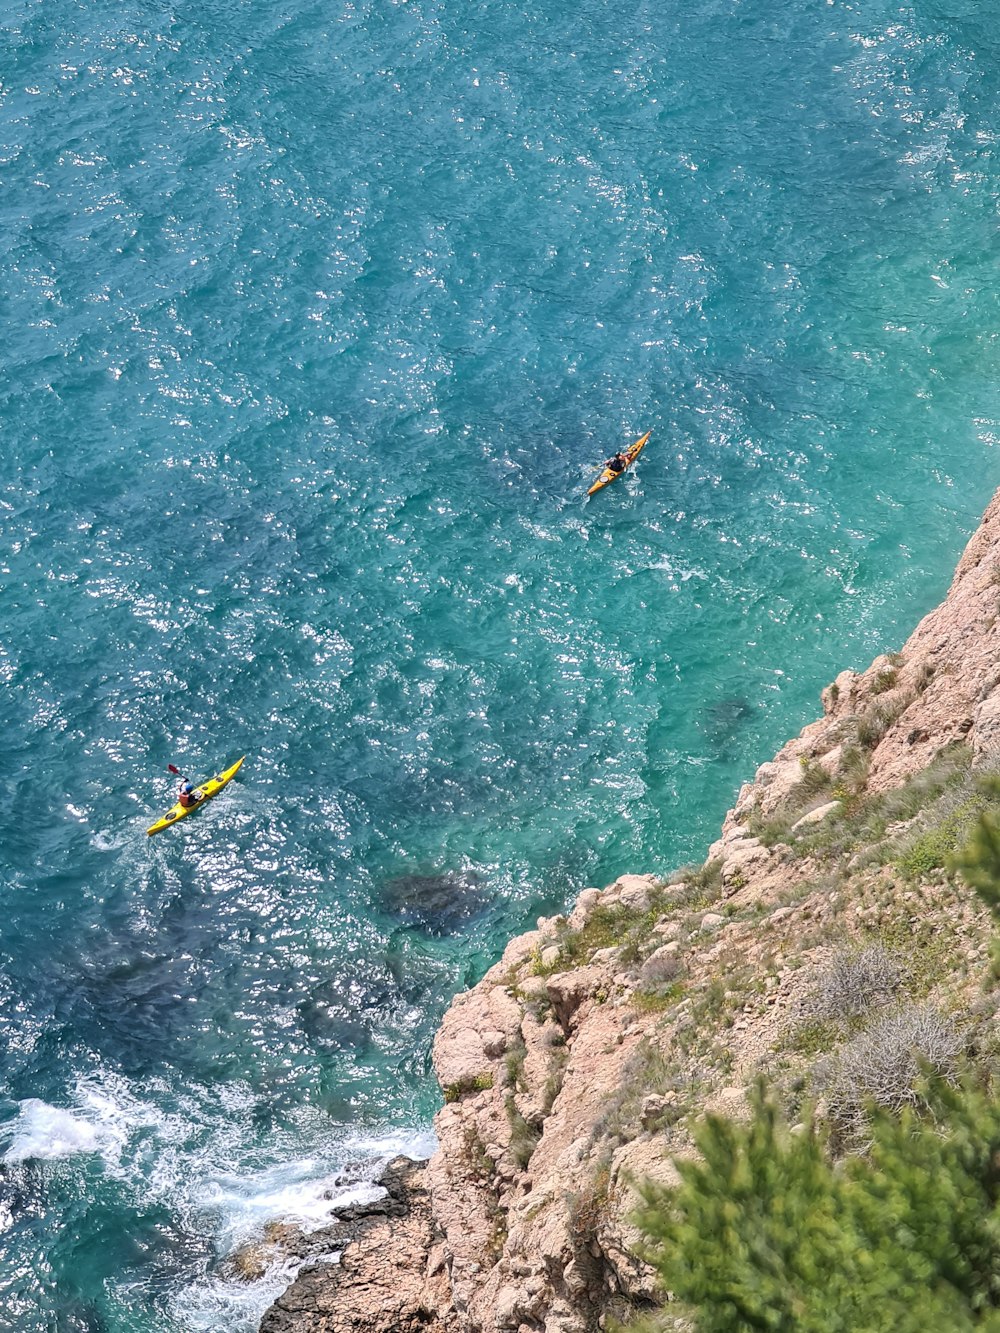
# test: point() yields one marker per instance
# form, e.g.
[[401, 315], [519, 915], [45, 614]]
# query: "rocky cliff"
[[576, 1066]]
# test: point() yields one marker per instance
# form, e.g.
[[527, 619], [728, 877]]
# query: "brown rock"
[[383, 1283], [568, 990]]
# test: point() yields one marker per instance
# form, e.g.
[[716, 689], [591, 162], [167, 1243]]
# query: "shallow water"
[[319, 324]]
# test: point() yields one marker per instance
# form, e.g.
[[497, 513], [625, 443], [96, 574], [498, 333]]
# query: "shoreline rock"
[[383, 1280]]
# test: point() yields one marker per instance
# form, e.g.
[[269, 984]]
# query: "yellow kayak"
[[609, 474], [208, 789]]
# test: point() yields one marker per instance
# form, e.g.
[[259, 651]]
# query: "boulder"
[[632, 891], [816, 816]]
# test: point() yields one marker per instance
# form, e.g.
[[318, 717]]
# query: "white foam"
[[237, 1307], [419, 1144], [101, 1121], [43, 1133], [200, 1165], [105, 841], [306, 1190], [303, 1192]]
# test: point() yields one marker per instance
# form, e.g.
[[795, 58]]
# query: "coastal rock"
[[384, 1282], [985, 736], [472, 1034], [631, 891], [815, 816], [950, 666], [584, 906], [740, 858], [568, 990]]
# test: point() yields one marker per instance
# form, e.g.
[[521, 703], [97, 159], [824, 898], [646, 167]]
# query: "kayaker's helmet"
[[187, 788]]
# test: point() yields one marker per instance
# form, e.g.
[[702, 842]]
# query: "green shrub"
[[852, 773], [610, 925], [514, 1065], [587, 1207], [979, 859], [924, 676], [816, 1036], [876, 720], [863, 820], [765, 1233], [934, 848], [462, 1087], [646, 1070], [705, 881], [885, 680], [814, 780], [656, 1001], [524, 1137]]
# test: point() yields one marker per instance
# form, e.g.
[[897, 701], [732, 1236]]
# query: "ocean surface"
[[318, 320]]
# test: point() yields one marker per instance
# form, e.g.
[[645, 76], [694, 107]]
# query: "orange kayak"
[[609, 474]]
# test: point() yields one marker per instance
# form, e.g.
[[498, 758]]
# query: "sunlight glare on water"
[[320, 322]]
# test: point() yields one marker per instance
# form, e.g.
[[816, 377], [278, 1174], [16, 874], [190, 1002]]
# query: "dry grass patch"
[[887, 1065]]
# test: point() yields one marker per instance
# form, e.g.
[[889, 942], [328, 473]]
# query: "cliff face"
[[575, 1067]]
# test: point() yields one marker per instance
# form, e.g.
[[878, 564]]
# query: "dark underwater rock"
[[343, 1012], [440, 904], [724, 719]]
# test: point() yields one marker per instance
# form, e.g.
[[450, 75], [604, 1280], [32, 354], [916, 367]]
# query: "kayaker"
[[188, 795], [617, 464]]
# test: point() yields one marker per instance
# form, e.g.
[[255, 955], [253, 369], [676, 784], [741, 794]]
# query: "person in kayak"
[[189, 795], [617, 464]]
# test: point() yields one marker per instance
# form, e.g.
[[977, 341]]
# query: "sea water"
[[319, 320]]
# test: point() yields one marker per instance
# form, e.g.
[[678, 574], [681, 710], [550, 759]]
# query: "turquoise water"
[[318, 323]]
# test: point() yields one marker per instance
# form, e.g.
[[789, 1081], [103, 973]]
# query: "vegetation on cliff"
[[778, 1228], [767, 1231]]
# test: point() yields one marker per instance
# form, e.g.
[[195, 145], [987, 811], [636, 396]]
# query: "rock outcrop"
[[575, 1068], [384, 1278]]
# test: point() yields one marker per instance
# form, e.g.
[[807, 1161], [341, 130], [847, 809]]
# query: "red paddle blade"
[[174, 770]]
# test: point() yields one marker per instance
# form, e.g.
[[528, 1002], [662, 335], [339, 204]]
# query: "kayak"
[[208, 789], [608, 475]]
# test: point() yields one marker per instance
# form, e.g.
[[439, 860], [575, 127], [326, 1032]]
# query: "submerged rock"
[[439, 904], [723, 720], [343, 1011]]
